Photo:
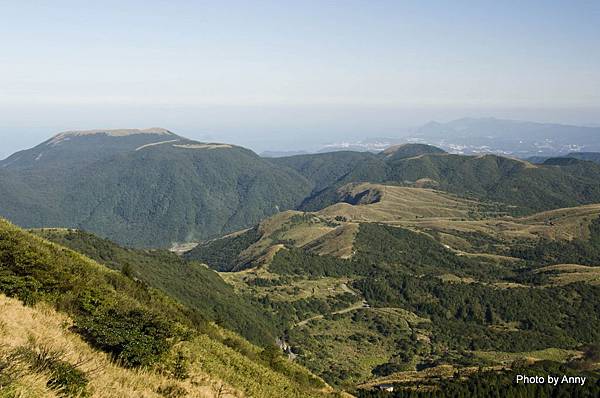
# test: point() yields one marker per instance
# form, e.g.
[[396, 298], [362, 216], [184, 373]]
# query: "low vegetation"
[[137, 327], [191, 283], [496, 383], [454, 309]]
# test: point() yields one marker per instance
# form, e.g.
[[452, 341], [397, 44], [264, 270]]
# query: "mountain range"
[[153, 188], [489, 135], [313, 275]]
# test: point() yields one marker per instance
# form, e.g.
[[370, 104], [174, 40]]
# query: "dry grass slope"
[[43, 329], [213, 369]]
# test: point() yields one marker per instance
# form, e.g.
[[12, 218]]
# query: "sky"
[[291, 74]]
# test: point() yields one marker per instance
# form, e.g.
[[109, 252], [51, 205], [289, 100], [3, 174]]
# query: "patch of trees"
[[497, 384], [222, 254], [380, 248], [577, 251], [476, 316]]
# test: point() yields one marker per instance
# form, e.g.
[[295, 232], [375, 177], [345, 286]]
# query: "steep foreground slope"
[[192, 284], [143, 187], [41, 357], [151, 344]]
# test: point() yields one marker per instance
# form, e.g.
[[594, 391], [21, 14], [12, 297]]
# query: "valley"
[[328, 274], [365, 334], [300, 199]]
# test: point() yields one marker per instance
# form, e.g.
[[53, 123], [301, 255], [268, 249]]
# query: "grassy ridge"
[[495, 178], [192, 284], [136, 325]]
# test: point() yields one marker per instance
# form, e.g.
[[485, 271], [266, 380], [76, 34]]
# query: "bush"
[[23, 288], [135, 337]]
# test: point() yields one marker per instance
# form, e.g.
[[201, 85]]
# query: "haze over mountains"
[[406, 266], [490, 135], [154, 188]]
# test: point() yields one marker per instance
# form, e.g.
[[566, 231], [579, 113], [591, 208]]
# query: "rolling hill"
[[401, 283], [143, 187], [153, 188], [527, 188]]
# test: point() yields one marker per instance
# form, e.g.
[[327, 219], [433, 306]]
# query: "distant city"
[[469, 136]]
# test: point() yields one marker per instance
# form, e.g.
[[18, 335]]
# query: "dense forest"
[[143, 195], [222, 254]]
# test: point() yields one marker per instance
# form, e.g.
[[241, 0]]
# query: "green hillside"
[[192, 284], [514, 182], [134, 324], [427, 307], [152, 188], [402, 301], [144, 189]]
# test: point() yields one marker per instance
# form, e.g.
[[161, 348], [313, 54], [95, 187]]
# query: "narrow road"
[[355, 306]]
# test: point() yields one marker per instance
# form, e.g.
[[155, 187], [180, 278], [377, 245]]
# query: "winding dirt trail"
[[355, 306]]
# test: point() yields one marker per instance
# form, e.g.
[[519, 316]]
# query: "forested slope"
[[144, 189], [514, 182]]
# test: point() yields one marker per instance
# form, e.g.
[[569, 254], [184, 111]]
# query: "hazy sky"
[[271, 74]]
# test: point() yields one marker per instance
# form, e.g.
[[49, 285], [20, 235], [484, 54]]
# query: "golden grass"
[[551, 354], [43, 327], [398, 203], [562, 274], [214, 369], [566, 223], [332, 231]]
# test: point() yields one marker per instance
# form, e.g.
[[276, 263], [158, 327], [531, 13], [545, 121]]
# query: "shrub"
[[171, 391], [134, 337], [23, 288], [180, 367]]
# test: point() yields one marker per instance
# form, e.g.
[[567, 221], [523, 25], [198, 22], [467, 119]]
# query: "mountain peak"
[[108, 132]]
